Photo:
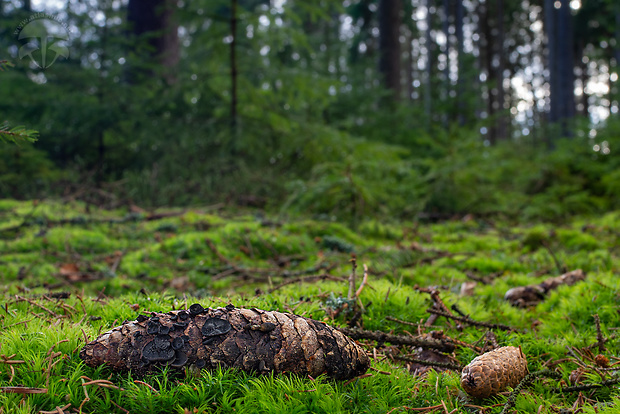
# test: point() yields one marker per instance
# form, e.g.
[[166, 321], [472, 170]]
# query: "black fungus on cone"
[[252, 340]]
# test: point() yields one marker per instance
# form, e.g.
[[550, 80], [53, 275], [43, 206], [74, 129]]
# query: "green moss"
[[256, 255], [577, 240]]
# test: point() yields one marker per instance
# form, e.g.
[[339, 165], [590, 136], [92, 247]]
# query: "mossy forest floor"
[[69, 272]]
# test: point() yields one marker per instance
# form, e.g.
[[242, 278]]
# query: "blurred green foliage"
[[303, 139]]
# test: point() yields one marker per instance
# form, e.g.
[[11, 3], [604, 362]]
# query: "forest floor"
[[69, 272]]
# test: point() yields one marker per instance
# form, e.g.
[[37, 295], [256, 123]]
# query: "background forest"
[[343, 109]]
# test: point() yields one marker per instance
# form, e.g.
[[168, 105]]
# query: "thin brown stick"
[[147, 385], [87, 397], [302, 279], [379, 371], [471, 321], [358, 292], [605, 340], [561, 269], [586, 387], [7, 360], [393, 319], [600, 339], [446, 345], [17, 323], [352, 277], [50, 365], [454, 367], [119, 407], [223, 259], [357, 378], [64, 306], [58, 410], [117, 262], [21, 298], [100, 383], [55, 345], [23, 390]]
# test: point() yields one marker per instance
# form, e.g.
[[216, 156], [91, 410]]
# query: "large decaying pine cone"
[[493, 372], [252, 340]]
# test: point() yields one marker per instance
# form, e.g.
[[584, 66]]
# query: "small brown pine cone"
[[601, 360], [493, 372]]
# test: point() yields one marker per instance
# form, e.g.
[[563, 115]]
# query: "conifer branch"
[[18, 133]]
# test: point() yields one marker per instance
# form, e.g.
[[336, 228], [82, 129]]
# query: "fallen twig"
[[600, 339], [357, 378], [352, 277], [358, 292], [454, 367], [561, 268], [302, 279], [523, 296], [470, 321], [393, 319], [21, 298], [446, 345], [147, 385], [57, 410], [119, 407], [23, 390]]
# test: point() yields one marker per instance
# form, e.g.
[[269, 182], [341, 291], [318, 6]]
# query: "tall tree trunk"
[[551, 59], [233, 65], [617, 48], [616, 69], [565, 66], [389, 45], [428, 99], [486, 56], [101, 148], [445, 27], [499, 73], [458, 25], [583, 78], [156, 18], [409, 65], [560, 62]]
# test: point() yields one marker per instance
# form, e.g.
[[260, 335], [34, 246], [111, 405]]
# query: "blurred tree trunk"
[[389, 45], [458, 26], [156, 20], [583, 77], [445, 27], [617, 47], [565, 65], [500, 121], [493, 63], [428, 99], [559, 29], [616, 69], [409, 64], [233, 66], [486, 58]]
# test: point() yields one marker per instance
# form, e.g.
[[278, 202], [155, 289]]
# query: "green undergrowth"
[[114, 265]]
